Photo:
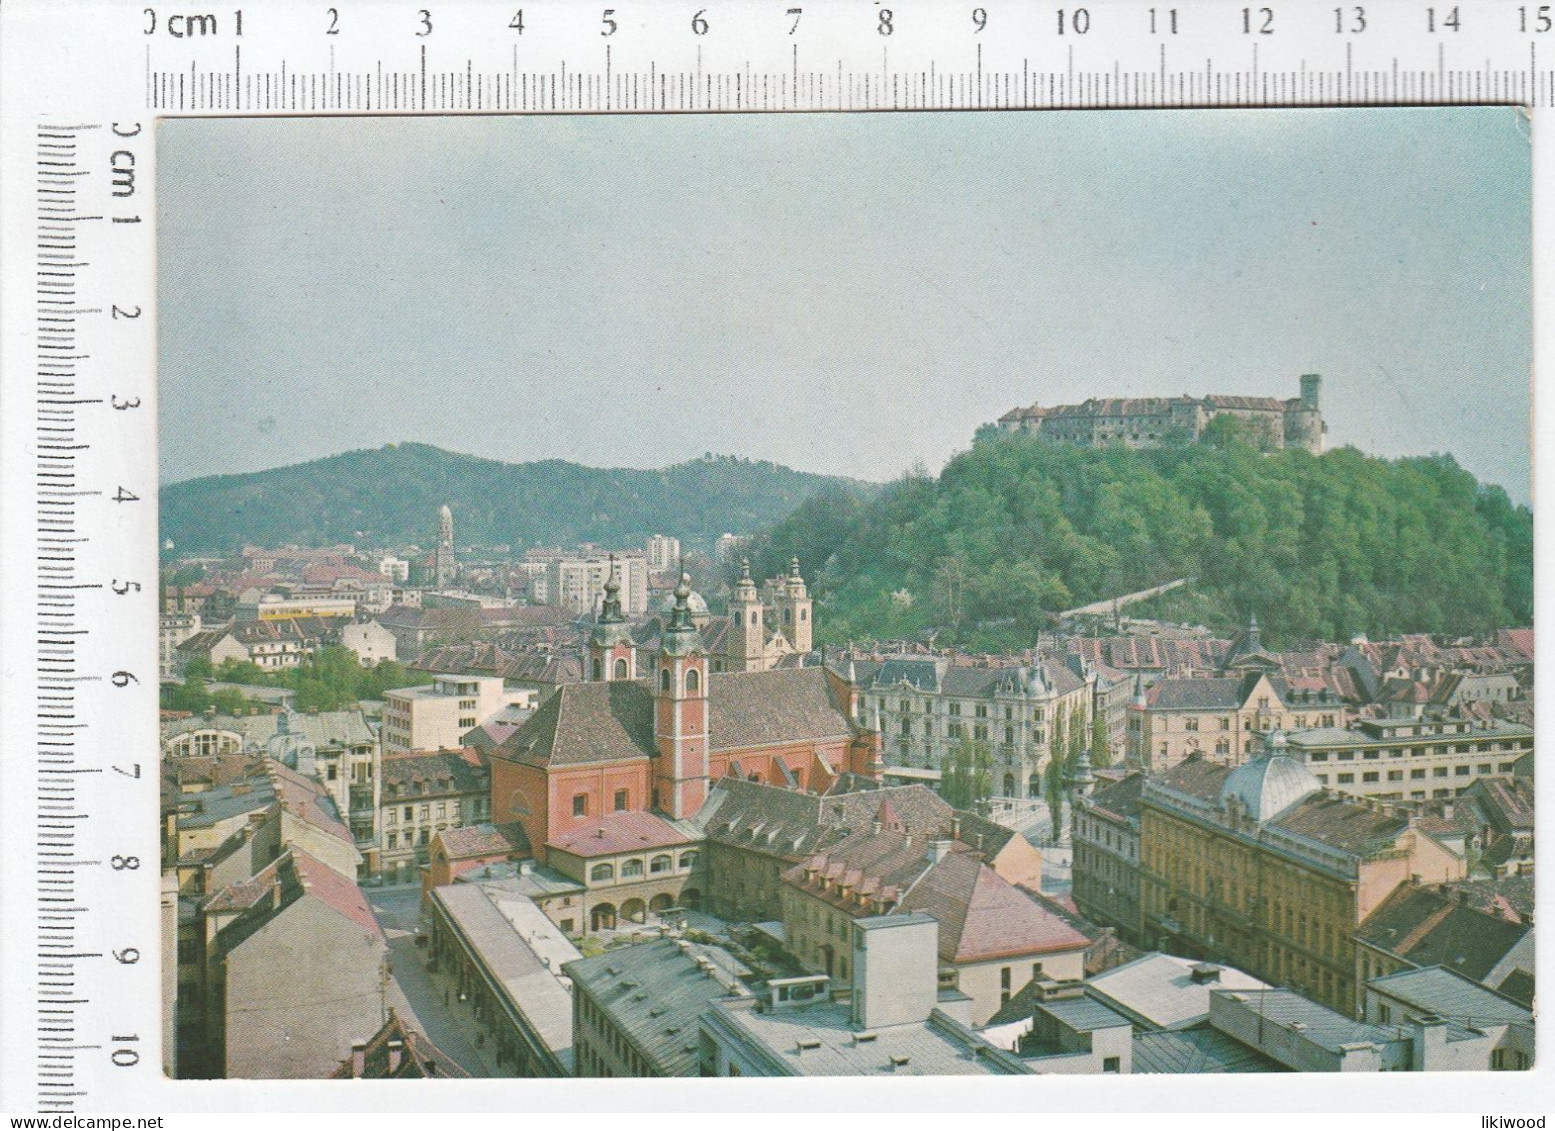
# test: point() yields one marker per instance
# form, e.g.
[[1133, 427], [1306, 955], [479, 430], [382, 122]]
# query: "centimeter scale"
[[84, 84]]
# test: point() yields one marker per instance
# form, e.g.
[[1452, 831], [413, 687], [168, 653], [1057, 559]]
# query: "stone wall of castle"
[[1143, 422]]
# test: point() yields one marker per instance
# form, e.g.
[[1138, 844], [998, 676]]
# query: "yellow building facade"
[[1258, 867]]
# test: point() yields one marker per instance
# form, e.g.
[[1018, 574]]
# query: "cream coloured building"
[[928, 707], [1411, 759], [437, 717]]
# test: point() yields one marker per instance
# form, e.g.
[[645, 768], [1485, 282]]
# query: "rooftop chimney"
[[396, 1050], [955, 827], [1204, 972], [938, 850]]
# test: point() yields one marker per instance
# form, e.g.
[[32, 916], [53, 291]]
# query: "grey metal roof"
[[921, 674], [323, 729], [1197, 694], [939, 1046], [513, 947], [509, 877], [1270, 785], [1320, 1025], [1159, 990], [655, 991], [1446, 993], [212, 806], [1083, 1014], [1201, 1049]]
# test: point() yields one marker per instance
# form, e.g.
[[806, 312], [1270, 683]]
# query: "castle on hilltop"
[[1145, 422]]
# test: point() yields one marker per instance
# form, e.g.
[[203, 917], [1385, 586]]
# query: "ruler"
[[84, 84]]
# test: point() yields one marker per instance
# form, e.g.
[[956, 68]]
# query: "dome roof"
[[695, 602], [1270, 784]]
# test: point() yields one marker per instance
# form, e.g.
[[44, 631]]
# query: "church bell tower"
[[612, 652], [680, 713], [747, 631], [794, 609]]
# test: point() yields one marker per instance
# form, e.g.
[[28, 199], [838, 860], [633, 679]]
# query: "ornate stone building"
[[1258, 866], [1147, 422], [928, 707]]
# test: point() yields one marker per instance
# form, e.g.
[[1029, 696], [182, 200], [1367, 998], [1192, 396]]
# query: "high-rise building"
[[443, 568], [663, 553]]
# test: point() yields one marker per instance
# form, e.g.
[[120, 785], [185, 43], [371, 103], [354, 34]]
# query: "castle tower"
[[794, 610], [443, 556], [612, 652], [680, 715], [747, 632], [1304, 426], [1311, 387]]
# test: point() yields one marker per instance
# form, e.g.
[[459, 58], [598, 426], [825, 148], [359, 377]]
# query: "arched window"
[[631, 869], [600, 873], [621, 669], [753, 616], [688, 859], [598, 670], [693, 680], [660, 864], [804, 614], [664, 680], [788, 616]]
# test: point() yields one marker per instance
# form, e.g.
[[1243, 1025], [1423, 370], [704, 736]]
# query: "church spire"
[[612, 652], [610, 612], [681, 634]]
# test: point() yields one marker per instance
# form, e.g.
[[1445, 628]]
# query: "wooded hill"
[[1322, 547], [391, 496]]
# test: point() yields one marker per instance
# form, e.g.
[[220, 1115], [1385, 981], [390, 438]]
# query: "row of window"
[[590, 1062], [1223, 722], [1419, 751], [1462, 771], [428, 811], [414, 838], [953, 709], [633, 869]]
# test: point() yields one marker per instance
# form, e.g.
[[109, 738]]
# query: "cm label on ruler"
[[93, 528], [1259, 20], [688, 56]]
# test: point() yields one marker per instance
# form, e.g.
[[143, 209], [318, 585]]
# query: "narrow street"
[[428, 1002]]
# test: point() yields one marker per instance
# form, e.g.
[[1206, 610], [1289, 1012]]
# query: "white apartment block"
[[172, 630], [663, 553], [1411, 759], [579, 583], [437, 717]]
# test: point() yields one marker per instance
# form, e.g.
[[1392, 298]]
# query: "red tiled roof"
[[329, 887], [621, 832], [485, 840], [983, 916], [249, 893], [307, 800], [1518, 641], [613, 721]]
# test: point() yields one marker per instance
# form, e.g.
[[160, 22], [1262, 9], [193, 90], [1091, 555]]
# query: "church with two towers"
[[652, 729]]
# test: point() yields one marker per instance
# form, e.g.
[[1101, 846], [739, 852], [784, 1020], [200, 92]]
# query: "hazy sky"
[[840, 293]]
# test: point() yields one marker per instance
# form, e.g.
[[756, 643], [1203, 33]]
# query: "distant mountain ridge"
[[391, 496]]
